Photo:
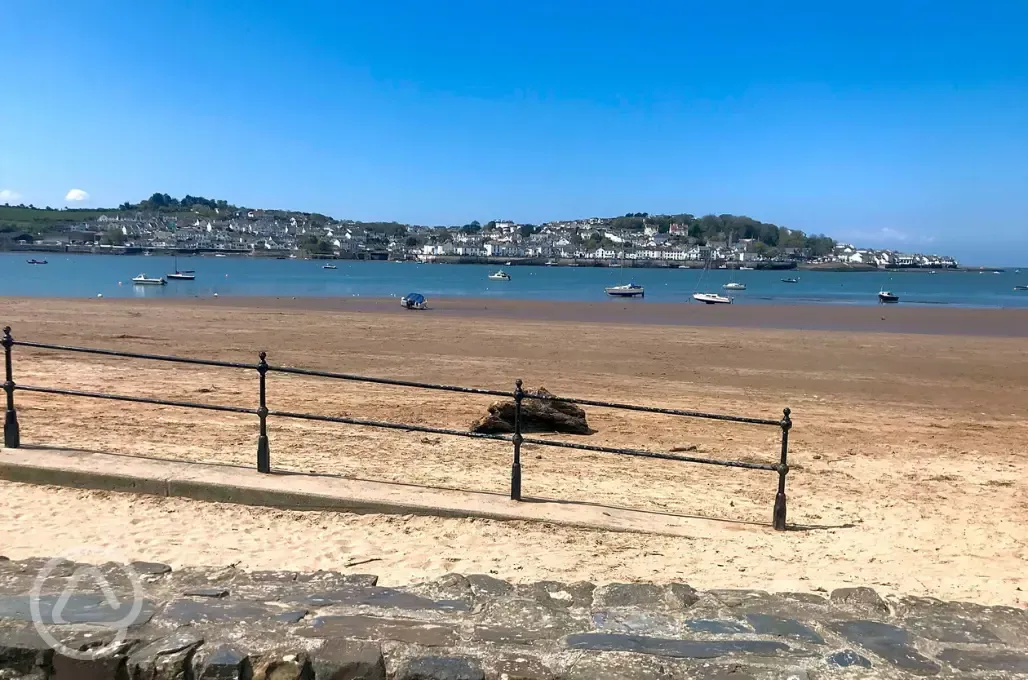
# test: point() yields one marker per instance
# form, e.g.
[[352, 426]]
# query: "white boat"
[[183, 275], [144, 280], [734, 286], [414, 301], [500, 276], [329, 266], [885, 297], [712, 298], [627, 290], [219, 255], [550, 263], [746, 269]]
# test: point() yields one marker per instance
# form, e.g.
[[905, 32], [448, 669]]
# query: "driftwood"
[[537, 415]]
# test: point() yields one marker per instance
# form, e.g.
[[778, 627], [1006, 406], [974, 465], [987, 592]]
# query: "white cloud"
[[77, 195], [9, 195]]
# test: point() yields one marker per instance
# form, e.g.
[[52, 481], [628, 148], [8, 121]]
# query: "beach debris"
[[685, 449], [537, 415]]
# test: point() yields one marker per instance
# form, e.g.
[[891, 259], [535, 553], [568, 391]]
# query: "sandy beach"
[[907, 452]]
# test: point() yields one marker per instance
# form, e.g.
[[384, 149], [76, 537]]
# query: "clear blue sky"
[[901, 124]]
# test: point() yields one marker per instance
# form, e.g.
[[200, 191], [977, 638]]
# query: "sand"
[[908, 471]]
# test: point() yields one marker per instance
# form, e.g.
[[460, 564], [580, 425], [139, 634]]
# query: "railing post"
[[263, 454], [783, 470], [515, 469], [12, 436]]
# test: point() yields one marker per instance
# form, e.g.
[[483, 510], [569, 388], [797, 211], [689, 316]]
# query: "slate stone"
[[950, 629], [440, 668], [375, 628], [272, 577], [636, 622], [684, 649], [282, 665], [683, 594], [348, 660], [602, 666], [628, 595], [225, 662], [576, 595], [860, 601], [291, 616], [715, 627], [383, 598], [103, 667], [485, 585], [206, 592], [150, 568], [519, 667], [165, 658], [969, 661], [188, 612], [336, 579], [518, 620], [889, 642], [78, 608], [846, 658], [22, 649], [787, 628]]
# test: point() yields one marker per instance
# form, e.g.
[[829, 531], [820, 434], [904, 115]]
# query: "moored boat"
[[35, 261], [712, 298], [734, 286], [627, 290], [329, 266], [414, 301], [1020, 287], [144, 280], [500, 276], [790, 280], [886, 297]]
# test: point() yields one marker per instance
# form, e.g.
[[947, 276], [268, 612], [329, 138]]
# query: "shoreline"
[[960, 321]]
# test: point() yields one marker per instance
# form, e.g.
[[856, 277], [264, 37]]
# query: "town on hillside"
[[195, 225]]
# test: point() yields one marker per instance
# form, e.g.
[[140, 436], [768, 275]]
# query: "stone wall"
[[222, 624]]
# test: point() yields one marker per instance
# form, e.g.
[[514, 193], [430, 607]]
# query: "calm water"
[[88, 275]]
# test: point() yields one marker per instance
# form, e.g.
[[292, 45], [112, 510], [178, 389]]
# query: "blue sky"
[[899, 124]]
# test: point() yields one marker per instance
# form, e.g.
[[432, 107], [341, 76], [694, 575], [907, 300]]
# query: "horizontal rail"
[[134, 355], [138, 400], [390, 426], [388, 381], [650, 454]]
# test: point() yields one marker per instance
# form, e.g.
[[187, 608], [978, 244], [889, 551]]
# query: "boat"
[[500, 276], [507, 263], [746, 269], [885, 297], [627, 290], [219, 255], [1020, 287], [329, 266], [181, 275], [790, 280], [550, 263], [414, 301], [712, 298], [144, 280], [35, 261], [734, 286]]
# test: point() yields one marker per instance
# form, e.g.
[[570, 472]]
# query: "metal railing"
[[12, 431]]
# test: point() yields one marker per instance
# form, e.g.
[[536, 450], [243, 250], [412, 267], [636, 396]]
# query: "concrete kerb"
[[245, 486]]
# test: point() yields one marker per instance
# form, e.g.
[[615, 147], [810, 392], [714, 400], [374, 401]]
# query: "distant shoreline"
[[498, 261]]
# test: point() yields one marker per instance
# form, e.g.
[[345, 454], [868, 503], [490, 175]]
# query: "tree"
[[412, 242], [113, 237], [527, 230]]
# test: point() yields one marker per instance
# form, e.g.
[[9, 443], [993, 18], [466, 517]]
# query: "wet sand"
[[907, 452]]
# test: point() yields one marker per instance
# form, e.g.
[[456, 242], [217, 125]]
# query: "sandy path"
[[907, 451]]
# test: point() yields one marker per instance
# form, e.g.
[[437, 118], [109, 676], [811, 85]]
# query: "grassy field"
[[38, 221]]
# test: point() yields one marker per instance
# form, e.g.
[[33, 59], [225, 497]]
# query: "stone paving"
[[226, 624]]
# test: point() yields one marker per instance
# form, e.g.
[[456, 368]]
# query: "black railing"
[[12, 432]]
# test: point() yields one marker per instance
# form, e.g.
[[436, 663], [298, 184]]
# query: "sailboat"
[[734, 285], [629, 290], [184, 275], [710, 298]]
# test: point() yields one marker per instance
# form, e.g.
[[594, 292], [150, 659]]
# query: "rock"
[[167, 658], [887, 641], [283, 665], [485, 585], [787, 628], [440, 668], [225, 662], [847, 658], [22, 650], [410, 631], [348, 660], [860, 601], [537, 415], [628, 595]]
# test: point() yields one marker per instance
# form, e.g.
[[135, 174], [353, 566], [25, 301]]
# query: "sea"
[[77, 276]]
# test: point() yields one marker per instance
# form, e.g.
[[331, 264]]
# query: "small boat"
[[219, 255], [790, 280], [144, 280], [147, 253], [500, 276], [550, 263], [1020, 287], [627, 290], [181, 275], [734, 286], [886, 297], [414, 301], [35, 261], [507, 263], [329, 266], [712, 298], [746, 269]]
